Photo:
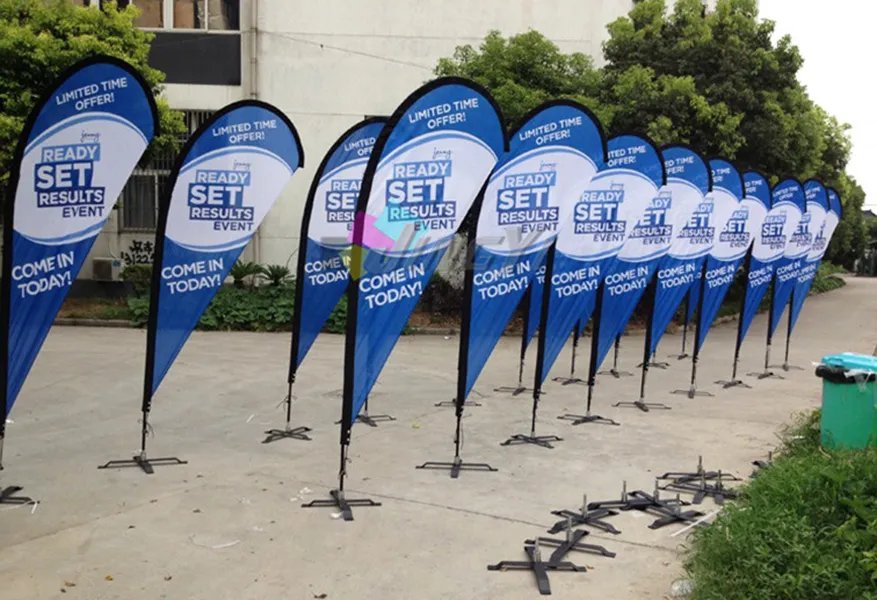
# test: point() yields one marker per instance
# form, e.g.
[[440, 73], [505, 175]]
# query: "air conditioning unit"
[[106, 269]]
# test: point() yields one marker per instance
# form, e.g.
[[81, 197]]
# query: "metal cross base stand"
[[296, 433], [536, 440], [611, 504], [616, 373], [668, 512], [371, 420], [589, 418], [7, 496], [514, 391], [682, 356], [701, 490], [733, 383], [692, 393], [453, 403], [456, 466], [569, 381], [656, 364], [540, 569], [765, 375], [340, 501], [584, 516], [146, 464], [568, 544], [593, 518], [643, 406], [698, 474]]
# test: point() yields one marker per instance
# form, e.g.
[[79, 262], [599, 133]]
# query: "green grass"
[[804, 529]]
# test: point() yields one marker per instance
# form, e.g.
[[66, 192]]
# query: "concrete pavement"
[[229, 524]]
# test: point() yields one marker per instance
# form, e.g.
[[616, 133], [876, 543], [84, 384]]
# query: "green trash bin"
[[849, 400]]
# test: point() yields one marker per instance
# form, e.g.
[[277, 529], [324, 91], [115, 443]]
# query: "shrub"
[[267, 308], [139, 307], [242, 271], [804, 529], [826, 279], [139, 276], [276, 274]]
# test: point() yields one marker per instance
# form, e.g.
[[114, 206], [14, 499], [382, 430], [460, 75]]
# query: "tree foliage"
[[524, 71], [39, 39], [713, 79]]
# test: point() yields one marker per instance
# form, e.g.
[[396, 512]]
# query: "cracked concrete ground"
[[229, 524]]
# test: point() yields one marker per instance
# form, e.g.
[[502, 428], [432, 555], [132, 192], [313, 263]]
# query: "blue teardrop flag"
[[322, 274], [530, 194], [688, 182], [75, 155], [797, 247], [576, 278], [734, 221], [226, 180], [823, 221], [769, 244], [635, 169], [428, 166]]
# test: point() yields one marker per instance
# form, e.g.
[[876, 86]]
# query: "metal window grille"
[[142, 194]]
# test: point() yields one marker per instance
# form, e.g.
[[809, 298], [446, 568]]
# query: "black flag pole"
[[786, 366], [288, 431], [520, 388], [641, 403], [592, 371], [683, 355], [141, 459], [532, 438], [767, 373], [572, 379], [338, 498], [734, 382], [614, 370], [692, 391], [8, 495], [457, 464]]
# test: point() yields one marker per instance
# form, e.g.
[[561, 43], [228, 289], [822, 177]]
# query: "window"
[[141, 196], [140, 200], [151, 12], [213, 15]]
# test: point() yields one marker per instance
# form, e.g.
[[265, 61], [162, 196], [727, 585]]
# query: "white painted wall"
[[329, 63]]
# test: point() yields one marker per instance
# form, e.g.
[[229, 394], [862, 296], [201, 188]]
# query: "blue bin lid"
[[850, 361]]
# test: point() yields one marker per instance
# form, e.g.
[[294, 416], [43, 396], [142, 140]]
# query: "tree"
[[40, 38], [712, 79], [524, 71]]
